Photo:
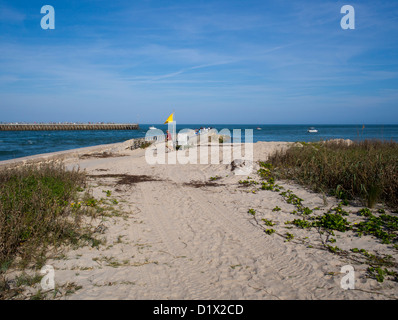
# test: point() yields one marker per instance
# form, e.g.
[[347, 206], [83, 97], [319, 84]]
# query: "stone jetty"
[[67, 126]]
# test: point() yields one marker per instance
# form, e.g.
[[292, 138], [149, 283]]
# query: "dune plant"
[[39, 208], [366, 169]]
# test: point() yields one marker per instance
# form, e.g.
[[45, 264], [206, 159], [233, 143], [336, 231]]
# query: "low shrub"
[[367, 169], [39, 208]]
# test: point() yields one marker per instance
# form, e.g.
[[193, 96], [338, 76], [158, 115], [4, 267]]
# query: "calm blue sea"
[[15, 144]]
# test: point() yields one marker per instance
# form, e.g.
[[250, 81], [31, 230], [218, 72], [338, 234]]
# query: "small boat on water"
[[258, 128], [152, 128], [312, 130]]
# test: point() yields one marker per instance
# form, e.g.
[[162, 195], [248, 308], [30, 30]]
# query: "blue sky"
[[258, 62]]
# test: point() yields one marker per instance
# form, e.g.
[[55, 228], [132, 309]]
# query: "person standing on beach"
[[169, 141]]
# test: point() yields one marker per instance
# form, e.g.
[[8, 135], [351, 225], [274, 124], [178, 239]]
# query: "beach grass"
[[39, 209], [365, 170]]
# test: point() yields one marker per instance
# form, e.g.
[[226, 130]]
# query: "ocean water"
[[16, 144]]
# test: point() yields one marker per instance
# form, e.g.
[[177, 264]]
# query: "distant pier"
[[67, 126]]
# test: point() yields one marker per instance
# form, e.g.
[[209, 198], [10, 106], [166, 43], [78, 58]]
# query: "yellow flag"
[[170, 118]]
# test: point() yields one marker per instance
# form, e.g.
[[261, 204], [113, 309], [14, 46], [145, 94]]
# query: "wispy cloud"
[[11, 15], [216, 56]]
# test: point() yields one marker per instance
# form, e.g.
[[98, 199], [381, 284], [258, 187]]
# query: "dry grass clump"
[[127, 179], [362, 169]]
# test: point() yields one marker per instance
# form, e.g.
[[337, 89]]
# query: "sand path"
[[185, 242]]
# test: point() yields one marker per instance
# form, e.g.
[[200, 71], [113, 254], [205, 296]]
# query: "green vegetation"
[[303, 224], [249, 181], [268, 222], [380, 274], [265, 173], [334, 249], [364, 169], [269, 231], [333, 221], [40, 208], [108, 192], [291, 198], [91, 202], [383, 227], [289, 236], [378, 224], [145, 144]]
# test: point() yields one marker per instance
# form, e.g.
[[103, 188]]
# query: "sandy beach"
[[179, 234], [91, 208]]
